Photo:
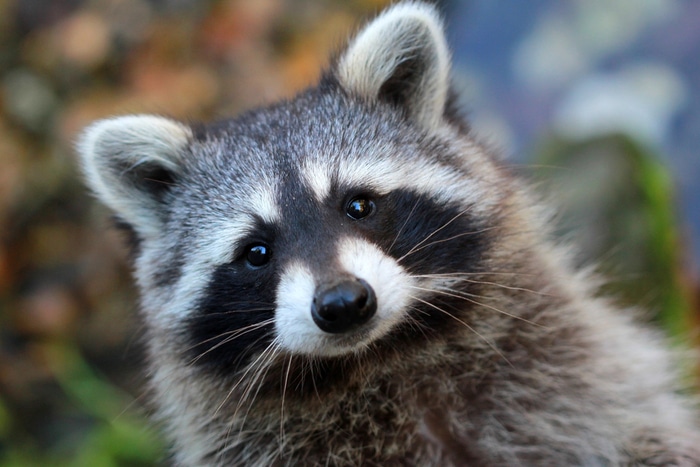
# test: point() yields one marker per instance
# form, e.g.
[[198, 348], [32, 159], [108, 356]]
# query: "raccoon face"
[[330, 246], [320, 226]]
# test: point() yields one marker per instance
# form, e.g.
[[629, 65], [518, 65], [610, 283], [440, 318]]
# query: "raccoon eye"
[[359, 208], [257, 254]]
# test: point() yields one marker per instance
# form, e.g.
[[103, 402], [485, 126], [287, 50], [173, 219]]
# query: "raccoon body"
[[349, 278]]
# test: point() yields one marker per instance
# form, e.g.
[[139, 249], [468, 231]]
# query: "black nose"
[[343, 306]]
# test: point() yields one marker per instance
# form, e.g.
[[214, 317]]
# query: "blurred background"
[[597, 101]]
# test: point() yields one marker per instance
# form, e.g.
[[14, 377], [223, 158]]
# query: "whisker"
[[267, 356], [473, 281], [489, 343], [463, 234], [475, 273], [461, 296], [415, 324], [230, 336], [284, 394], [257, 380], [313, 362], [248, 310], [233, 331], [243, 377], [509, 287], [405, 223], [417, 245]]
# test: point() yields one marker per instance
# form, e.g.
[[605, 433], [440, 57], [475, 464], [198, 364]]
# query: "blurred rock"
[[29, 99], [639, 100], [179, 92], [128, 20], [7, 14], [83, 39], [49, 311], [308, 52], [12, 163], [233, 26], [92, 103]]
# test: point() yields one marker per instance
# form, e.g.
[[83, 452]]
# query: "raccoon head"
[[320, 226]]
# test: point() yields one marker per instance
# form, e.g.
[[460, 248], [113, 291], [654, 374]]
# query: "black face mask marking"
[[234, 321], [421, 233]]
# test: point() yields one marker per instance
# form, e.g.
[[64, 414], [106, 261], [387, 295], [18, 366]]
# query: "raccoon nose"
[[343, 306]]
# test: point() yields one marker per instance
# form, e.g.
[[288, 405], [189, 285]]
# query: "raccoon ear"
[[130, 162], [402, 57]]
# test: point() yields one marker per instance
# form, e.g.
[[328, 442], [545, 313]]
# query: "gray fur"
[[532, 368]]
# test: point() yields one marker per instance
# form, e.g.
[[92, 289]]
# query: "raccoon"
[[350, 278]]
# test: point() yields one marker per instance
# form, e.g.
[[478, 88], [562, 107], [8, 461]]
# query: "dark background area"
[[598, 102]]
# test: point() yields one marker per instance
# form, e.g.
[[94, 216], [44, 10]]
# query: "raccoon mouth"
[[350, 342]]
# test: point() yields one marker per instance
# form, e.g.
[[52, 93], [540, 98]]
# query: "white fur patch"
[[318, 178], [294, 326], [391, 283], [385, 173], [263, 204]]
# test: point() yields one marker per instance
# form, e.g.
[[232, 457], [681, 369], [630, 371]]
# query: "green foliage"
[[116, 435], [616, 200]]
